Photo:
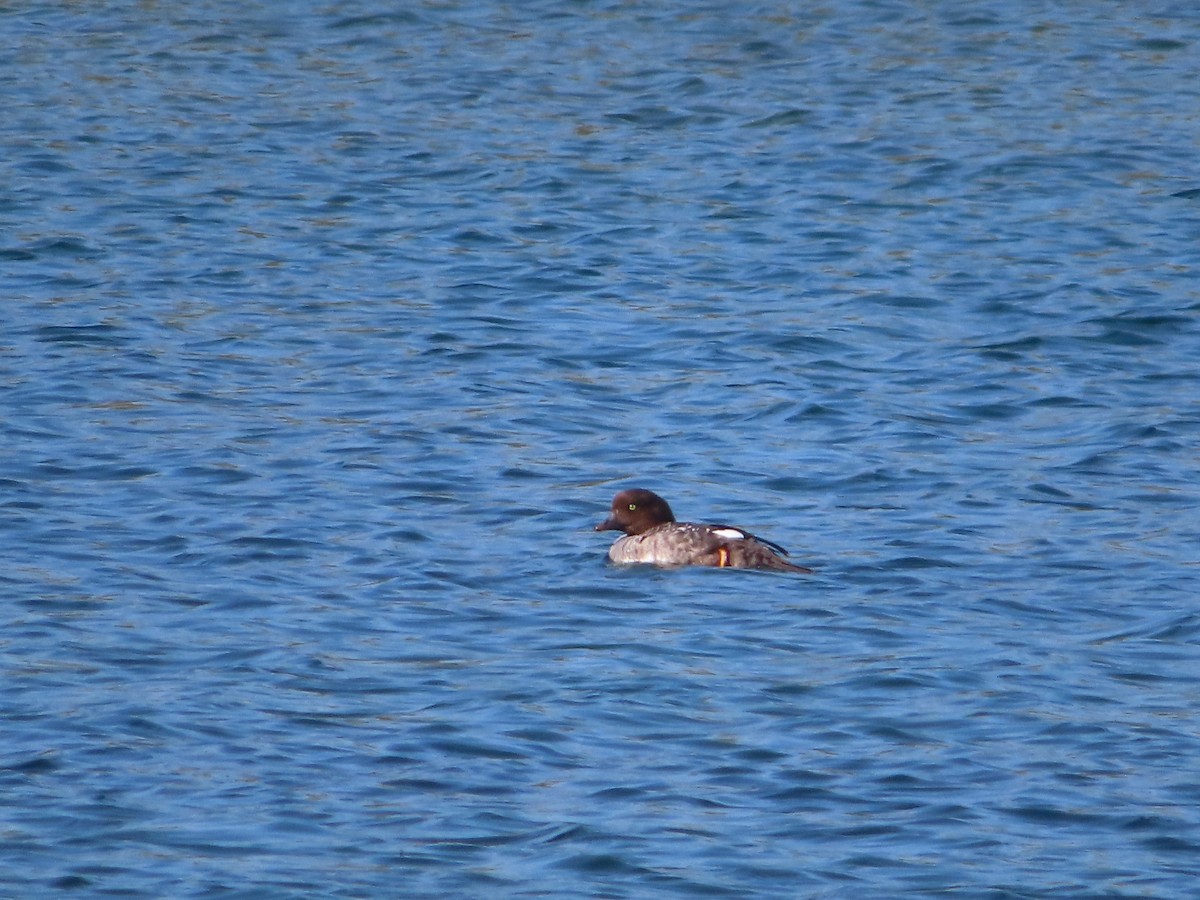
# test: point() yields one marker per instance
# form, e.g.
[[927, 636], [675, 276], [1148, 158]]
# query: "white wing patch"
[[732, 534]]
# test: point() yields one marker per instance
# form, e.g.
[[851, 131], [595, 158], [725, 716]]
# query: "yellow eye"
[[632, 507]]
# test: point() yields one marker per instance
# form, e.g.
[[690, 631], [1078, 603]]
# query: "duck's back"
[[688, 544]]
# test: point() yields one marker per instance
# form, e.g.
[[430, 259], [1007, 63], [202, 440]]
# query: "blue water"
[[329, 331]]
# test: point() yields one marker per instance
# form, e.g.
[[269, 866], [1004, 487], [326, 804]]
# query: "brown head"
[[637, 511]]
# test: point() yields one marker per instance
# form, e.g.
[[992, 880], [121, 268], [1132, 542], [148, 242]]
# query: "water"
[[330, 330]]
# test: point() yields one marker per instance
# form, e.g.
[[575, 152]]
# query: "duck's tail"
[[750, 554]]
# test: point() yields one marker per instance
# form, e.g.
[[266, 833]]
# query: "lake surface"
[[329, 331]]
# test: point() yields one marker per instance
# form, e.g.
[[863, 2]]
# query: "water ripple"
[[333, 334]]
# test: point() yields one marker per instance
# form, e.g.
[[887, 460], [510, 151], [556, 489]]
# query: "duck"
[[652, 536]]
